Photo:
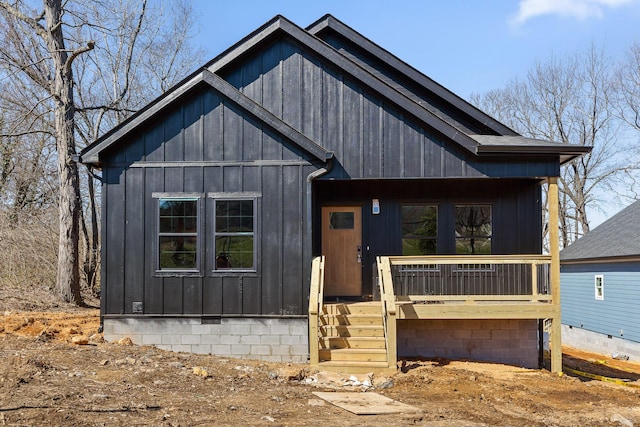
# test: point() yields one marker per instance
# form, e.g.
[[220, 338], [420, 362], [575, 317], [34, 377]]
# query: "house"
[[296, 145], [600, 276]]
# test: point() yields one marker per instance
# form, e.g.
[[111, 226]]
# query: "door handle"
[[359, 256]]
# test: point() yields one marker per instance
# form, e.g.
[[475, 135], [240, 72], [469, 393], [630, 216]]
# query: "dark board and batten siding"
[[617, 313], [370, 136], [205, 145]]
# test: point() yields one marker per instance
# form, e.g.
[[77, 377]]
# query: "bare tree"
[[78, 69], [570, 100]]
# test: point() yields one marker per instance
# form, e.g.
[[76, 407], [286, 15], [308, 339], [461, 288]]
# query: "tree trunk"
[[68, 277]]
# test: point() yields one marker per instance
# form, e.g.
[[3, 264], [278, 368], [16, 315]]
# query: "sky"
[[468, 46]]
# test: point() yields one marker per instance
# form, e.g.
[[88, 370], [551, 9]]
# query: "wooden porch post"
[[554, 251]]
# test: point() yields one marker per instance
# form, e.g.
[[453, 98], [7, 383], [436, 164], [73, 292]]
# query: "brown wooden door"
[[342, 248]]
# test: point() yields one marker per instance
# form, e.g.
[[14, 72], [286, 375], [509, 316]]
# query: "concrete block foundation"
[[595, 342], [276, 340], [513, 342]]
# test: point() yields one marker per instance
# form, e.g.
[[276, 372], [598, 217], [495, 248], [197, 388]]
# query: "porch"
[[428, 289]]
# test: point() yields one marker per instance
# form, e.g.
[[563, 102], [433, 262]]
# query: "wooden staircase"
[[351, 338]]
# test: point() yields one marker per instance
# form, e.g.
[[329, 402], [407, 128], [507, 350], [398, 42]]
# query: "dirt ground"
[[46, 379]]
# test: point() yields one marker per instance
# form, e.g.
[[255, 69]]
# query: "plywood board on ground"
[[366, 403]]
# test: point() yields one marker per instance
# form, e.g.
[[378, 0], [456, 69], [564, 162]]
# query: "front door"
[[342, 248]]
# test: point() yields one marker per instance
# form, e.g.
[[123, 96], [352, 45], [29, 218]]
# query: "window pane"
[[341, 221], [473, 246], [233, 216], [473, 221], [234, 252], [419, 229], [178, 252], [412, 247], [178, 216]]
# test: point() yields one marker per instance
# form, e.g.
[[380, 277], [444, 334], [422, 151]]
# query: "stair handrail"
[[316, 298], [388, 303]]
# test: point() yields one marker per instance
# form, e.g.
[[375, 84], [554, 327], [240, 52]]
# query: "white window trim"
[[600, 296]]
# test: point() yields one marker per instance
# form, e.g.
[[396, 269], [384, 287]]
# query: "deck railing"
[[388, 303], [316, 298], [468, 278]]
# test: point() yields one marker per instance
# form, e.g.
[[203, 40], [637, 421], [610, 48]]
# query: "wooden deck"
[[526, 284]]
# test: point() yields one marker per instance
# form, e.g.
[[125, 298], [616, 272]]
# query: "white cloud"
[[579, 9]]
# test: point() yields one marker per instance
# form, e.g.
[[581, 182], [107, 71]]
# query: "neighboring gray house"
[[600, 277]]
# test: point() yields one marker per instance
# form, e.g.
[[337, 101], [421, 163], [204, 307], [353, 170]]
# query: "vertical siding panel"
[[115, 233], [153, 145], [192, 295], [173, 179], [212, 296], [173, 290], [193, 144], [332, 113], [252, 78], [251, 295], [271, 239], [232, 178], [251, 179], [153, 290], [272, 146], [292, 229], [392, 141], [135, 236], [312, 102], [251, 140], [352, 130], [292, 85], [413, 152], [231, 295], [173, 136], [232, 144], [372, 138], [213, 179], [272, 79], [213, 127], [134, 151], [193, 177]]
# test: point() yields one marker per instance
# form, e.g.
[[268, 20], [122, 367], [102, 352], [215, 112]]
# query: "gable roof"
[[619, 236], [329, 23], [398, 95], [91, 154], [281, 25]]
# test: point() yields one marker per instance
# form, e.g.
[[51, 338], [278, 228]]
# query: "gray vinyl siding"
[[616, 313], [371, 137], [205, 145]]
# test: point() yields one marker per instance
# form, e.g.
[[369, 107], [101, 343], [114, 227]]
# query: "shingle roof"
[[619, 236]]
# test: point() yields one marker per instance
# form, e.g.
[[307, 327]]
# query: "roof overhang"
[[519, 145]]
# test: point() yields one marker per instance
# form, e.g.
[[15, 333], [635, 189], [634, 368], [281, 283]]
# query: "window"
[[599, 286], [178, 234], [473, 229], [419, 230], [234, 237]]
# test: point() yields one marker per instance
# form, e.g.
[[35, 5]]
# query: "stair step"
[[355, 355], [354, 308], [355, 367], [352, 331], [351, 319], [352, 342]]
